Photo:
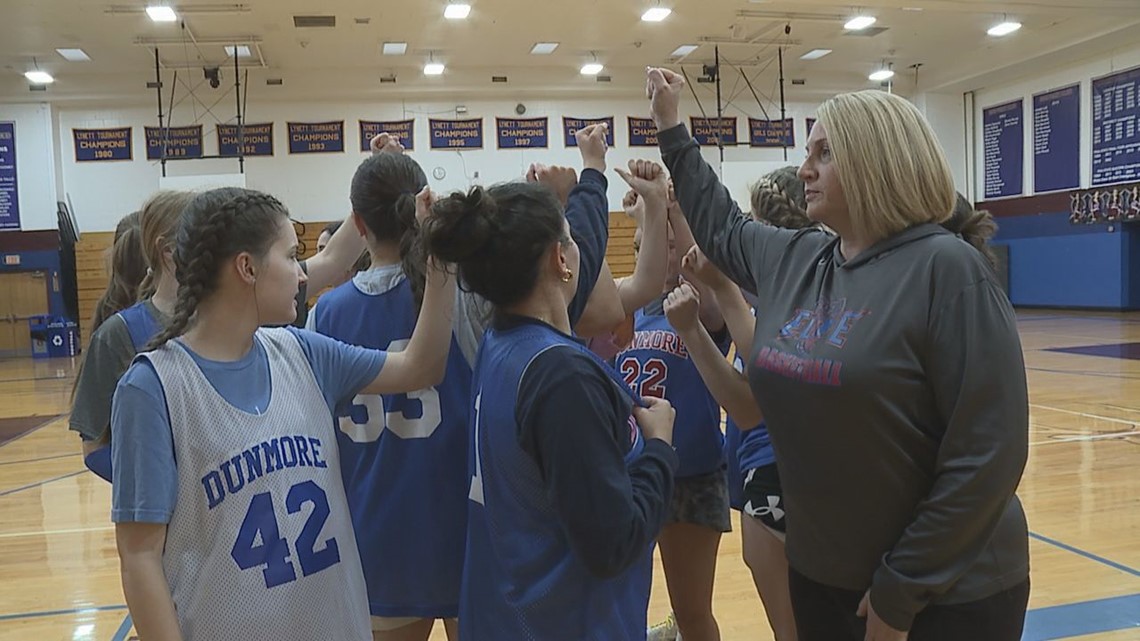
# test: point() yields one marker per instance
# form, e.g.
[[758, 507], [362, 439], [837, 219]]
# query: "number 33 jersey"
[[657, 363], [260, 545]]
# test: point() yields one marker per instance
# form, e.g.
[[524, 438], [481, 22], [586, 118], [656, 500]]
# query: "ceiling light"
[[457, 11], [1004, 29], [74, 55], [433, 69], [683, 50], [161, 13], [395, 48], [543, 48], [39, 77], [656, 14], [881, 75], [815, 54], [242, 51], [858, 23], [592, 68]]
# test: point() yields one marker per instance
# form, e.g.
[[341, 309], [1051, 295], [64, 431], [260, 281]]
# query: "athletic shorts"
[[702, 500], [763, 498]]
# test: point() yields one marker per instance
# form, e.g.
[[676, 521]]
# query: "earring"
[[567, 275]]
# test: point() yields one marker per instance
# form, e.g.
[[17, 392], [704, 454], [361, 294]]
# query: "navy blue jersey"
[[403, 457], [566, 497], [657, 364]]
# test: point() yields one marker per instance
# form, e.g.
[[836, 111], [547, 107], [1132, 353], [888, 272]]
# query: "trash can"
[[63, 338], [38, 328]]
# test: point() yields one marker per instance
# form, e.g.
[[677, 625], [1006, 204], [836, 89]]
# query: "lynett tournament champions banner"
[[403, 130], [642, 132], [250, 140], [522, 133], [570, 126], [179, 142], [707, 131], [98, 145], [316, 137], [456, 134]]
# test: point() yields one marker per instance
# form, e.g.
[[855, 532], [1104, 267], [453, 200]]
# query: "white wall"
[[1079, 72], [35, 164], [315, 186], [946, 115]]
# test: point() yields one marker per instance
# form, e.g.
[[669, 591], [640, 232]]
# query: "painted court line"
[[51, 480], [1087, 437], [1088, 555], [124, 629], [42, 458], [55, 613], [1086, 415], [1081, 619], [15, 535]]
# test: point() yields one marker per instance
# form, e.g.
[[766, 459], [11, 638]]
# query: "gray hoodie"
[[894, 389]]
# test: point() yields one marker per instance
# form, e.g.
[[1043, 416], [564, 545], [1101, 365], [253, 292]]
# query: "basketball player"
[[888, 357], [115, 341], [230, 512], [657, 364], [566, 495]]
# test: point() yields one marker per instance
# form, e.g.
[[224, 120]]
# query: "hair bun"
[[462, 225]]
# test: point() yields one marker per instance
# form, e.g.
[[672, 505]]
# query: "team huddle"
[[478, 423]]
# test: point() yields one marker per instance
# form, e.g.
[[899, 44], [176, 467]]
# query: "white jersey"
[[261, 544]]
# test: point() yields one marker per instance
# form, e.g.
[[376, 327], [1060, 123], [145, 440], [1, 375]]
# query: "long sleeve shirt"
[[894, 388]]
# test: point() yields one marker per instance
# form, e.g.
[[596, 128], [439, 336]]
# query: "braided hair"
[[383, 194], [217, 225], [778, 199]]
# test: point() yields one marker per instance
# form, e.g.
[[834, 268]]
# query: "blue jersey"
[[657, 364], [744, 451], [141, 324], [403, 458], [523, 579]]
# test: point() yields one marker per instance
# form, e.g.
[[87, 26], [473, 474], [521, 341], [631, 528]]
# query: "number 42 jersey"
[[261, 544]]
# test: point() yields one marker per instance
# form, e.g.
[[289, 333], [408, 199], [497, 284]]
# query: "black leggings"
[[825, 613]]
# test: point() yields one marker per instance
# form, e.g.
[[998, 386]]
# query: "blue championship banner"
[[772, 133], [316, 137], [1003, 144], [642, 132], [523, 133], [9, 195], [402, 130], [809, 123], [102, 144], [1057, 139], [179, 142], [456, 134], [1116, 128], [252, 140], [707, 131], [570, 126]]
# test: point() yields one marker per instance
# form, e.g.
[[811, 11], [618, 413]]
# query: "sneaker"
[[664, 631]]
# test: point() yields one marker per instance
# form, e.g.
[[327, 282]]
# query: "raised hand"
[[663, 88], [592, 145], [696, 267], [424, 202], [385, 142], [561, 180], [648, 179], [683, 307]]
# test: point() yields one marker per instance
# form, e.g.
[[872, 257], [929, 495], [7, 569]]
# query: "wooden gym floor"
[[59, 575]]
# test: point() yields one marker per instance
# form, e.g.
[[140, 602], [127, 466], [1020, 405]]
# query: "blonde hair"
[[159, 219], [890, 164]]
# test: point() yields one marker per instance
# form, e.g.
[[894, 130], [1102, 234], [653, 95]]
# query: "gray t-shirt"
[[108, 356], [895, 394]]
